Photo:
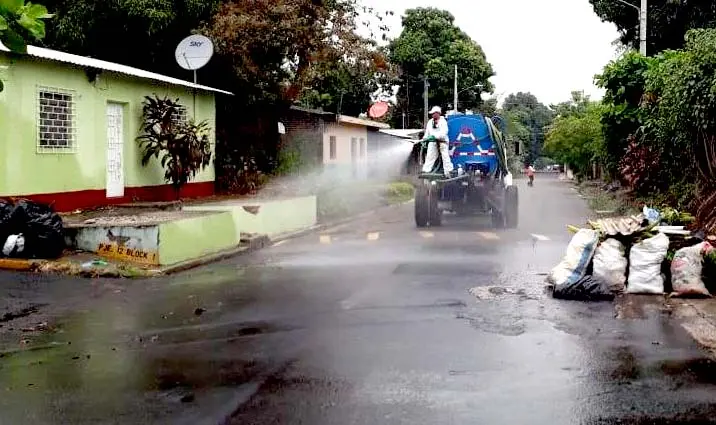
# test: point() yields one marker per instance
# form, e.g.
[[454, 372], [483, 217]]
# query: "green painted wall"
[[195, 237], [274, 217], [25, 171]]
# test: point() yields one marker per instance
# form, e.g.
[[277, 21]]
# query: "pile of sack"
[[30, 230], [632, 255]]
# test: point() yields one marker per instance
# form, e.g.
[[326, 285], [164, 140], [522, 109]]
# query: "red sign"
[[378, 109]]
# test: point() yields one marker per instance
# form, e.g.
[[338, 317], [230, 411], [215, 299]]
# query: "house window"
[[56, 120], [332, 147], [362, 148], [354, 148], [179, 117]]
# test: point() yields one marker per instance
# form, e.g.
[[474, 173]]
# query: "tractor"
[[480, 182]]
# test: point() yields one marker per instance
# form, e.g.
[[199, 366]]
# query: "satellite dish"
[[378, 109], [194, 52]]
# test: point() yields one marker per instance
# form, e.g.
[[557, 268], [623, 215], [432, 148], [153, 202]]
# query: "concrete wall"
[[137, 244], [271, 218], [163, 243], [346, 163], [24, 171], [195, 237]]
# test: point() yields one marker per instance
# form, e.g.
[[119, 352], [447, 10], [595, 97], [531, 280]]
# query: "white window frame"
[[73, 144], [332, 148], [181, 116], [362, 147]]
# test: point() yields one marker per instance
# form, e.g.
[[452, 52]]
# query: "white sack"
[[686, 270], [577, 258], [645, 261], [610, 264]]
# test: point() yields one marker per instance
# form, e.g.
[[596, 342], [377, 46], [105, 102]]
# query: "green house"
[[68, 126]]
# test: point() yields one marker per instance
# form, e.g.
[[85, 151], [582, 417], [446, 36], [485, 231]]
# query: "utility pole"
[[642, 22], [455, 100], [642, 26], [425, 101]]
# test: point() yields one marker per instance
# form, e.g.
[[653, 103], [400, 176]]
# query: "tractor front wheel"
[[426, 206]]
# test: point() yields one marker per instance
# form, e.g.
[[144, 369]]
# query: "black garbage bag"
[[40, 226], [587, 288], [5, 213]]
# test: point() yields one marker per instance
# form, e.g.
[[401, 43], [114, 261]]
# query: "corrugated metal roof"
[[403, 133], [622, 225], [361, 121], [311, 111], [55, 55]]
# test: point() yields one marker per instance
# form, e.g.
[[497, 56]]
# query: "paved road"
[[374, 322]]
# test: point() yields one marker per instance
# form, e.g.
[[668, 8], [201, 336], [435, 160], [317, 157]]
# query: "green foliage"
[[140, 33], [289, 162], [624, 81], [533, 118], [669, 21], [575, 138], [430, 46], [184, 147], [21, 22]]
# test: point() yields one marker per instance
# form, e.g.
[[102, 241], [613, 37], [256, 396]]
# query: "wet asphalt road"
[[373, 322]]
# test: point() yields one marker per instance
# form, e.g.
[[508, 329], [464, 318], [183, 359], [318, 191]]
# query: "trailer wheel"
[[511, 207]]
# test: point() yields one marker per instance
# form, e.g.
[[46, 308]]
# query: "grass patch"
[[616, 203], [398, 192], [344, 200]]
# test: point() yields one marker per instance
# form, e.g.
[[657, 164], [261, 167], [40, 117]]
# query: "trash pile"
[[30, 230], [648, 253]]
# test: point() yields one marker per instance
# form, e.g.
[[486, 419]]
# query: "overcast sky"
[[547, 47]]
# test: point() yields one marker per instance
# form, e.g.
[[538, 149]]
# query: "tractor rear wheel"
[[511, 212]]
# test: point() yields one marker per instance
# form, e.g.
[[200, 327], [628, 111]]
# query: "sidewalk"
[[92, 265], [696, 316]]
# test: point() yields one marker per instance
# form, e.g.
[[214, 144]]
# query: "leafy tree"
[[575, 138], [430, 46], [624, 81], [348, 85], [21, 22], [140, 33], [578, 104], [184, 146], [669, 20], [533, 116]]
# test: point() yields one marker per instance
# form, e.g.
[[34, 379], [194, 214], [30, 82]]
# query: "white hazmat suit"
[[439, 130]]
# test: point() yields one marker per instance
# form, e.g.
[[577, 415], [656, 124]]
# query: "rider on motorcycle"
[[530, 174]]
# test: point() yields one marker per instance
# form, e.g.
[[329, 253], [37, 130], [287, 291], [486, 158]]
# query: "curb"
[[254, 244], [18, 264]]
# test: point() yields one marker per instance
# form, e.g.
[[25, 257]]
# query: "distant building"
[[69, 125], [340, 144]]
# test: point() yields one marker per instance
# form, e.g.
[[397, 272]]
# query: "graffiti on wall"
[[133, 244]]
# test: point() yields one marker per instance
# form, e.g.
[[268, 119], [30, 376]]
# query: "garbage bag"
[[5, 212], [651, 214], [577, 258], [14, 246], [645, 261], [686, 268], [41, 228], [588, 288], [610, 264]]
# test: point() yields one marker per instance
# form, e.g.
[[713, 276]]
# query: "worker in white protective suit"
[[437, 128]]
